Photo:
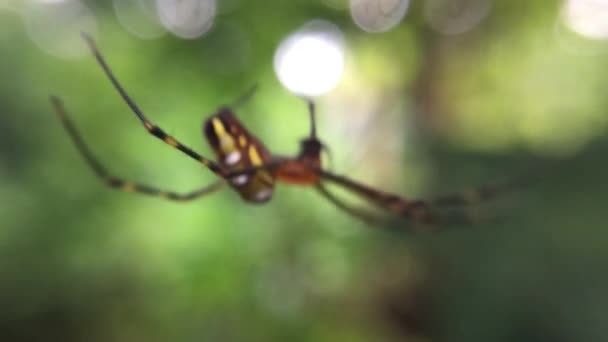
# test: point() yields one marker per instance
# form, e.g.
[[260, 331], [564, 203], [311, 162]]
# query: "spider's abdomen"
[[236, 149]]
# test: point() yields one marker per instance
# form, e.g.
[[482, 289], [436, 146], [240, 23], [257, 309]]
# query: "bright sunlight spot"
[[588, 18], [310, 61]]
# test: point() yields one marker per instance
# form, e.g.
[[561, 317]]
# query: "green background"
[[80, 262]]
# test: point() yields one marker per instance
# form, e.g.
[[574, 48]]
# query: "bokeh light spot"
[[50, 1], [337, 4], [588, 18], [456, 16], [188, 19], [139, 17], [310, 61], [378, 15], [55, 26]]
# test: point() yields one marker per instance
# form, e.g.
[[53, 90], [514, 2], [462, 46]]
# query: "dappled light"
[[378, 15], [116, 115], [139, 17], [187, 18], [588, 18], [55, 26], [456, 16], [310, 61]]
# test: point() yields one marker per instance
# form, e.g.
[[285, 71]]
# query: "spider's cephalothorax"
[[250, 169], [303, 169]]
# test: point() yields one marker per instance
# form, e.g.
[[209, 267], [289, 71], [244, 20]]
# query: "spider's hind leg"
[[481, 194], [117, 183]]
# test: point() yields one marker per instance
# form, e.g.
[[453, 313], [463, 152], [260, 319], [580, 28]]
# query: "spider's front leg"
[[148, 125]]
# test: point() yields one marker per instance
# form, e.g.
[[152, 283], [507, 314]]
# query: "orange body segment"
[[297, 173]]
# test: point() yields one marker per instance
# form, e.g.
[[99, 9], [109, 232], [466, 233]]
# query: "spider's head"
[[310, 149]]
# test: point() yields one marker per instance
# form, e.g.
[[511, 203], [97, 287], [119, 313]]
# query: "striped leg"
[[429, 222], [150, 127], [419, 211], [117, 183], [127, 186], [483, 193], [360, 213], [416, 210]]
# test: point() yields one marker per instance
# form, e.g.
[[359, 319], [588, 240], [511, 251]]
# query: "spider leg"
[[480, 194], [329, 155], [416, 210], [360, 213], [118, 183], [150, 127], [419, 211], [245, 97], [313, 122], [429, 224]]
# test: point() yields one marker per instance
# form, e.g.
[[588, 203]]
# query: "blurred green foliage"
[[81, 262]]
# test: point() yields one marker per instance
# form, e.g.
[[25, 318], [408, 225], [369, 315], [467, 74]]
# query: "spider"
[[246, 165]]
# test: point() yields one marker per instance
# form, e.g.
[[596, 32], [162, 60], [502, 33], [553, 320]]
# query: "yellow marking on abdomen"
[[242, 141], [218, 126], [254, 156], [225, 139], [266, 177]]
